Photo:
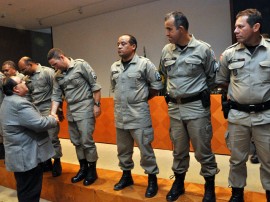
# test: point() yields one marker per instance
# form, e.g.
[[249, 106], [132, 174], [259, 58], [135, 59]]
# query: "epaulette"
[[232, 46], [205, 43], [142, 57], [266, 39], [79, 60]]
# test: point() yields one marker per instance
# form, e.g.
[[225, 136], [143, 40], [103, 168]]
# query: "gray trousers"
[[125, 143], [53, 134], [81, 135], [199, 132], [239, 139]]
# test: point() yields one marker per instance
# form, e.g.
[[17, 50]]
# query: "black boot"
[[2, 151], [91, 174], [47, 165], [209, 189], [152, 187], [268, 195], [254, 158], [237, 195], [178, 187], [57, 168], [125, 181], [82, 172]]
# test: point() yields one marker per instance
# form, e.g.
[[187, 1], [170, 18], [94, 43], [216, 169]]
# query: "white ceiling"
[[41, 14]]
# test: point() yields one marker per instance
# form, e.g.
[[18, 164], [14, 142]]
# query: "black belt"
[[186, 99], [250, 108]]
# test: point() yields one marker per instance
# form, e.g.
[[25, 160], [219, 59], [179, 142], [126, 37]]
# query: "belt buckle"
[[252, 109]]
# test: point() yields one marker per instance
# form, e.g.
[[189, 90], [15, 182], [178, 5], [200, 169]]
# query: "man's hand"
[[97, 111]]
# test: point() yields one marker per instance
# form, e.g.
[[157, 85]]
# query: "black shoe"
[[47, 165], [125, 181], [254, 159], [237, 195], [178, 187], [81, 173], [91, 176], [268, 195], [57, 168], [209, 189], [152, 187]]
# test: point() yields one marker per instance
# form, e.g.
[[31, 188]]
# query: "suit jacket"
[[25, 134]]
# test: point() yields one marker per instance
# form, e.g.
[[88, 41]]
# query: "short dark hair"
[[254, 16], [10, 63], [179, 19], [132, 40], [54, 53], [28, 60], [8, 86]]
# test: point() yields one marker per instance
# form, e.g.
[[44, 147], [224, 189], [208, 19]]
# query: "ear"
[[133, 46], [256, 27], [15, 90]]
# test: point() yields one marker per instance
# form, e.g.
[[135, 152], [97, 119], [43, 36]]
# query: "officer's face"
[[243, 32], [172, 33], [58, 63], [24, 68], [8, 71], [125, 49]]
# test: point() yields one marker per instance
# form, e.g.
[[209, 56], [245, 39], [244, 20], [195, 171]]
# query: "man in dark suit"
[[26, 140]]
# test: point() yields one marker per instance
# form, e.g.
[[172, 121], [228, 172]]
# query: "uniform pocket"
[[237, 73], [148, 136], [265, 71], [133, 79], [193, 65]]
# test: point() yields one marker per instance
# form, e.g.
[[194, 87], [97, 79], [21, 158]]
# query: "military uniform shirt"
[[77, 84], [248, 76], [131, 90], [40, 86], [188, 72]]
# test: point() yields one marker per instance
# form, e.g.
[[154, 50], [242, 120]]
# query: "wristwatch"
[[97, 104]]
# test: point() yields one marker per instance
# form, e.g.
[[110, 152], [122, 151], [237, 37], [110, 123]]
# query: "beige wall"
[[94, 39]]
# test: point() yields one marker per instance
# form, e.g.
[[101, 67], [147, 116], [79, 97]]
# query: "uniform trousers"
[[199, 132], [53, 134], [81, 135], [29, 184], [143, 137], [239, 140]]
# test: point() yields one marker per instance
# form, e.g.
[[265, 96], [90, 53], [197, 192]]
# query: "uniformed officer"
[[40, 84], [245, 71], [76, 80], [134, 80], [188, 67], [9, 69], [2, 149]]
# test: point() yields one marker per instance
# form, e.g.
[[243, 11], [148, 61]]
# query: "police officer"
[[40, 84], [134, 80], [9, 69], [188, 67], [2, 149], [76, 80], [245, 71]]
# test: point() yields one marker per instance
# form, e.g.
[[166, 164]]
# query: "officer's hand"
[[97, 111]]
